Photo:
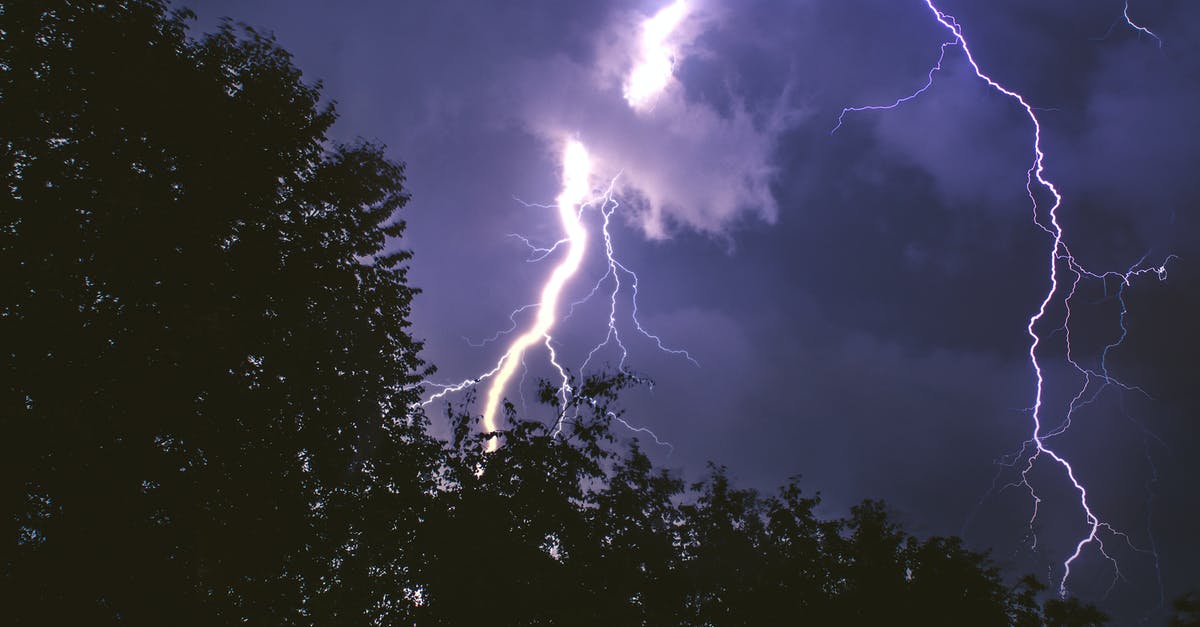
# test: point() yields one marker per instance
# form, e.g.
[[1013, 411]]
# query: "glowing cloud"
[[652, 71], [686, 163]]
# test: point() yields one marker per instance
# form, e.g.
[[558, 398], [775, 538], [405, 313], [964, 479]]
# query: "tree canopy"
[[205, 338], [209, 399]]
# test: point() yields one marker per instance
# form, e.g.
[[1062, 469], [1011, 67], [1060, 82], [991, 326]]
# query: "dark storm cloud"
[[857, 301]]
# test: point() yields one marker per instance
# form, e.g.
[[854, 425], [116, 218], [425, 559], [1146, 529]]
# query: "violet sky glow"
[[1060, 259], [860, 302]]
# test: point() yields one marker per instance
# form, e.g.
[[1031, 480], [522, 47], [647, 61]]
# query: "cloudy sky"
[[857, 301]]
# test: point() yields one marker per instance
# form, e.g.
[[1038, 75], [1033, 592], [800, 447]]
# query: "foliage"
[[209, 392], [569, 530], [1186, 610], [206, 370]]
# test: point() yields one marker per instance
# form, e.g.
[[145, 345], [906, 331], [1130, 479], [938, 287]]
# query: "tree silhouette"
[[636, 524], [206, 369], [1186, 610], [1072, 613]]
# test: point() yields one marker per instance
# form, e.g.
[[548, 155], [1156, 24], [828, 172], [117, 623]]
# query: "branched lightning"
[[937, 67], [576, 197], [615, 269], [576, 189], [577, 170], [1065, 273], [512, 317], [1127, 20], [537, 253], [650, 75], [1142, 30]]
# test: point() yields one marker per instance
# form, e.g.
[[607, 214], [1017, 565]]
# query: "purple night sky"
[[857, 301]]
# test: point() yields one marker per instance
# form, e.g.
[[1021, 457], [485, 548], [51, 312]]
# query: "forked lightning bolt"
[[1142, 30], [577, 170], [1138, 28], [1065, 274], [651, 74], [576, 196]]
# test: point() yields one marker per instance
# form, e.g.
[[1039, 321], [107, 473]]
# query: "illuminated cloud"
[[656, 59], [682, 163]]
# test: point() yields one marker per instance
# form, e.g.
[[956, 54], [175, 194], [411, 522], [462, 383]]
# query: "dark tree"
[[722, 540], [1073, 613], [1186, 610], [206, 371], [637, 561], [1023, 607], [799, 563]]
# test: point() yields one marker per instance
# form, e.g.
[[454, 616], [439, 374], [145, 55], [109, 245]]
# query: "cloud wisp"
[[684, 164]]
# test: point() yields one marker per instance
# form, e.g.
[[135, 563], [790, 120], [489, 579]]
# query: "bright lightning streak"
[[571, 203], [512, 317], [937, 67], [1138, 28], [1060, 261], [615, 269], [652, 72], [1142, 30], [576, 187], [648, 78]]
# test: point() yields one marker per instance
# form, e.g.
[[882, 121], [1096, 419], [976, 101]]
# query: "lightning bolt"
[[617, 269], [1128, 21], [577, 169], [1142, 30], [1064, 276], [649, 77]]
